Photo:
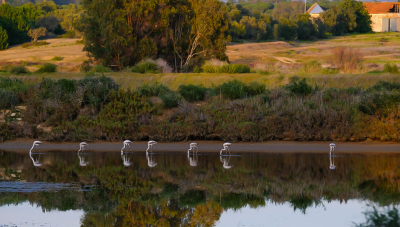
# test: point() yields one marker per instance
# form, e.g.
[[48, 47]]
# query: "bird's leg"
[[228, 151]]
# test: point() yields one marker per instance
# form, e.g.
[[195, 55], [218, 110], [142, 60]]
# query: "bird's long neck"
[[33, 146]]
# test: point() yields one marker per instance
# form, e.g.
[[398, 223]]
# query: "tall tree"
[[363, 19]]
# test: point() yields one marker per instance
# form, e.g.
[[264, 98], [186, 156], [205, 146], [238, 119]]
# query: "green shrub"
[[101, 69], [3, 39], [57, 58], [170, 99], [390, 68], [233, 89], [85, 66], [47, 68], [300, 88], [42, 43], [197, 69], [19, 70], [312, 67], [192, 93], [145, 67], [69, 34], [155, 89], [9, 90], [8, 98], [255, 88]]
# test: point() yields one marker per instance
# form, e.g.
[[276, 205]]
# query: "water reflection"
[[150, 161], [176, 195], [35, 159], [82, 161], [225, 160], [193, 159], [331, 162]]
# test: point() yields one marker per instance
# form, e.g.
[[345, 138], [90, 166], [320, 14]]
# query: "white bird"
[[35, 162], [225, 162], [126, 144], [82, 146], [192, 147], [331, 163], [332, 147], [82, 160], [193, 160], [150, 145], [35, 145], [226, 148], [150, 161]]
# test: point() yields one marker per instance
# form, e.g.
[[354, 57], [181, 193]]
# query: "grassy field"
[[282, 59], [173, 80]]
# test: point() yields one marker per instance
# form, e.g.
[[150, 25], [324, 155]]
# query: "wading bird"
[[226, 148], [35, 162], [192, 147], [81, 157], [331, 162], [126, 144], [150, 145], [225, 162], [150, 161], [332, 147], [35, 145], [82, 146]]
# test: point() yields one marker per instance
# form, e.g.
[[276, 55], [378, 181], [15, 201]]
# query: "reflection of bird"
[[192, 147], [225, 162], [82, 159], [35, 145], [82, 146], [331, 162], [126, 159], [150, 161], [226, 148], [35, 162], [332, 147], [193, 160], [150, 145], [126, 144]]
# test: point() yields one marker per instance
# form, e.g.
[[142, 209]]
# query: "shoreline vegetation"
[[96, 108]]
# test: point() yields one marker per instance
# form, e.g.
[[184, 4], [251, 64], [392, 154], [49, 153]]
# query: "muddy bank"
[[22, 145]]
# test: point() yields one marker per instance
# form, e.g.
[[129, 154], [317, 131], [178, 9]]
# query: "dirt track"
[[23, 145]]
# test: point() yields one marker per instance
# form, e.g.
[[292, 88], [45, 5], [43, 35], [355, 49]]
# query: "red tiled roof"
[[312, 7], [378, 7]]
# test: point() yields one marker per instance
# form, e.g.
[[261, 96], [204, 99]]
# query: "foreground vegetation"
[[96, 108]]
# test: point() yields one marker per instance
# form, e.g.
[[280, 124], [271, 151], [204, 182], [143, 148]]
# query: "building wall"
[[377, 20]]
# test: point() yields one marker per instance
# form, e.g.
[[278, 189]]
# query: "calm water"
[[172, 189]]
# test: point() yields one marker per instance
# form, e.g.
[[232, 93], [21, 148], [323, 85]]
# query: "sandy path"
[[22, 145]]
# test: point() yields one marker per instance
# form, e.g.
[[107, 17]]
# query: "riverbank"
[[23, 145]]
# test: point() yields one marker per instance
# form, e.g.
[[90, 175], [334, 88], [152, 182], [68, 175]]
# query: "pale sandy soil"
[[23, 145]]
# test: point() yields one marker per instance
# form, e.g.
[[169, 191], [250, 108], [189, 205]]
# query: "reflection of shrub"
[[300, 88], [170, 99], [147, 66], [192, 198], [390, 68], [192, 93], [19, 70], [155, 89], [390, 218], [47, 68]]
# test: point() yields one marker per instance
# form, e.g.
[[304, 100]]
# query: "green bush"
[[155, 89], [390, 68], [233, 89], [69, 34], [311, 67], [197, 69], [57, 58], [8, 98], [145, 67], [47, 68], [101, 69], [3, 39], [255, 88], [36, 44], [85, 66], [192, 93], [19, 70], [300, 88], [170, 99], [233, 68], [9, 90]]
